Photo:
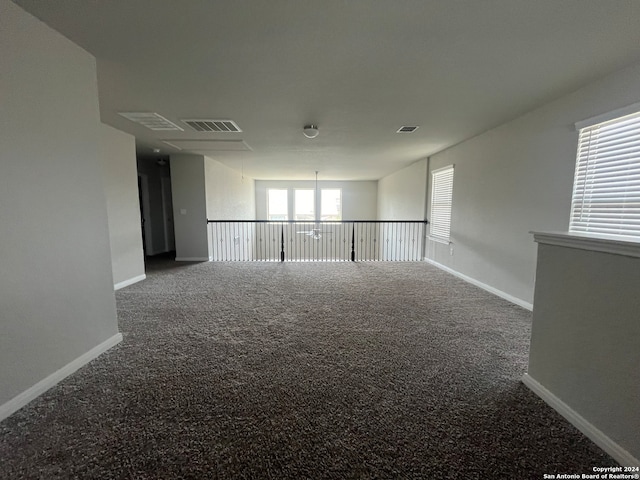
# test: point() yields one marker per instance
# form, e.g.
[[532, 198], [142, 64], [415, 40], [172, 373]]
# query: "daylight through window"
[[277, 204], [304, 204], [606, 188], [301, 205], [331, 204], [441, 200]]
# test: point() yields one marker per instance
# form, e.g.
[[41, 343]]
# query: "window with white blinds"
[[606, 188], [441, 199]]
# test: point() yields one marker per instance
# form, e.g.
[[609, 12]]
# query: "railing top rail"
[[278, 222]]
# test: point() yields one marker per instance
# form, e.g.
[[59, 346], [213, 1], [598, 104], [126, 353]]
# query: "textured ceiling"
[[358, 69]]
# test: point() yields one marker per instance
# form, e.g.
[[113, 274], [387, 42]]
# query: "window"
[[441, 197], [331, 204], [301, 204], [606, 187], [277, 204], [304, 205]]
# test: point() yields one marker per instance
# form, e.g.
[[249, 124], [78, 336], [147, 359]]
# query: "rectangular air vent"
[[204, 125], [406, 129], [206, 146], [152, 121]]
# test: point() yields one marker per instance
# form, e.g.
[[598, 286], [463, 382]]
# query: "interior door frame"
[[145, 207], [167, 212]]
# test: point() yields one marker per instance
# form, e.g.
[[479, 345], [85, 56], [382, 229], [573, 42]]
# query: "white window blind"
[[441, 197], [606, 188]]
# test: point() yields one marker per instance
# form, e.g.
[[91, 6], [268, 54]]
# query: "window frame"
[[291, 202], [313, 195], [606, 187], [319, 217], [286, 215], [439, 207]]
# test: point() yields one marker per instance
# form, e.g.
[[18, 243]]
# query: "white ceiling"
[[359, 69]]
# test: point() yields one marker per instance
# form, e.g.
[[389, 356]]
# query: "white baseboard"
[[484, 286], [131, 281], [193, 259], [618, 453], [19, 401]]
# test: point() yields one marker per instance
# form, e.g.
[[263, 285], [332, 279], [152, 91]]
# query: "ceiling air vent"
[[152, 121], [405, 129], [224, 126]]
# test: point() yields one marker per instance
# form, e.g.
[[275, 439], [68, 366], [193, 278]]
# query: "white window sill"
[[586, 242], [439, 240]]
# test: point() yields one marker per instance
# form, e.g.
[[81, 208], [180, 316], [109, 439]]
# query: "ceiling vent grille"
[[407, 129], [152, 121], [223, 126]]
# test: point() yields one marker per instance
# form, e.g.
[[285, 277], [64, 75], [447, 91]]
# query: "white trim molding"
[[31, 393], [438, 239], [588, 242], [618, 453], [194, 259], [128, 282], [484, 286]]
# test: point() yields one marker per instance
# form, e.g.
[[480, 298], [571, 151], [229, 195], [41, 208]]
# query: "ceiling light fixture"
[[311, 131]]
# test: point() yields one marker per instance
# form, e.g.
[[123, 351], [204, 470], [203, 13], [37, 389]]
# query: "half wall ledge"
[[584, 356], [587, 242]]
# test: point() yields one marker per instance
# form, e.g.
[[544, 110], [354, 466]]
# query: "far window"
[[304, 204], [441, 200], [606, 187], [277, 204], [331, 204]]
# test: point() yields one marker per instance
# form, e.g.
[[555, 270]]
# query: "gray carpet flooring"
[[300, 370]]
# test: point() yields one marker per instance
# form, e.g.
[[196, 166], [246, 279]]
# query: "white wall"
[[120, 180], [402, 195], [188, 187], [56, 286], [359, 199], [229, 195], [517, 178]]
